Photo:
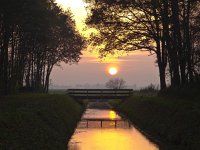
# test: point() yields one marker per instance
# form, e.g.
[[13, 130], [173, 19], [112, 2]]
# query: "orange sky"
[[136, 69]]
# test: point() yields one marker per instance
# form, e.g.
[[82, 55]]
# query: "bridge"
[[101, 120], [100, 93]]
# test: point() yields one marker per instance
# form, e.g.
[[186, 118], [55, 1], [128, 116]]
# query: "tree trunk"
[[49, 69], [177, 43], [5, 56], [172, 52], [188, 42], [162, 67]]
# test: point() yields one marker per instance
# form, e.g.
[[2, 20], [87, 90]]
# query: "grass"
[[37, 121], [175, 122]]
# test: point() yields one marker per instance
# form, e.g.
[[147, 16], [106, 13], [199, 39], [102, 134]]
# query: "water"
[[93, 136]]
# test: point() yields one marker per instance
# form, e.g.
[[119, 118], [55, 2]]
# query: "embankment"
[[37, 121], [174, 123]]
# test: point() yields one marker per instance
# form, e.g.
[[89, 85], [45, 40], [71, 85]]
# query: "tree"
[[116, 83], [130, 25], [35, 35], [162, 27]]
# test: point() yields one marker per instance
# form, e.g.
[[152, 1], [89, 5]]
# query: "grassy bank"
[[37, 121], [174, 122]]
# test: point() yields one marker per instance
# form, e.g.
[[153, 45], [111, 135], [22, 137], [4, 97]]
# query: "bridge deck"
[[100, 93], [102, 119]]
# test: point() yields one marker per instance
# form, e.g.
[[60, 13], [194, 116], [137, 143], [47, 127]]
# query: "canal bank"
[[37, 121], [174, 123]]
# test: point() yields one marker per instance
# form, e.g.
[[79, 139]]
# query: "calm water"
[[124, 137]]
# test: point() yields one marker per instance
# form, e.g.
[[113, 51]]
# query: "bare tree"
[[116, 83]]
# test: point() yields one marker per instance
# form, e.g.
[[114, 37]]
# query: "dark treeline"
[[35, 35], [170, 29]]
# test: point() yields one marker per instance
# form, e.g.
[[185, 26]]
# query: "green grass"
[[37, 121], [174, 122]]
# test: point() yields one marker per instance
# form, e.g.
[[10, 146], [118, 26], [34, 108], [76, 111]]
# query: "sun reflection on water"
[[119, 138], [112, 115]]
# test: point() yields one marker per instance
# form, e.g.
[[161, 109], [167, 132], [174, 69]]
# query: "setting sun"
[[113, 71]]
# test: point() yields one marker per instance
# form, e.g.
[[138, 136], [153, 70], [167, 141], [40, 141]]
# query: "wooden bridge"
[[101, 120], [100, 93]]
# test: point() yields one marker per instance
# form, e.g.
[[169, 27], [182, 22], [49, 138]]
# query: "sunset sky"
[[136, 69]]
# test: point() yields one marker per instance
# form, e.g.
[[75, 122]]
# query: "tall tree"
[[35, 35], [163, 27], [130, 25]]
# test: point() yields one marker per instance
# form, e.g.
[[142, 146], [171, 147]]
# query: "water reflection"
[[108, 137], [99, 113], [112, 115]]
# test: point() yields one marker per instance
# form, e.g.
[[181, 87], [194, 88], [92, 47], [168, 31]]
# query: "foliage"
[[186, 92], [150, 89], [167, 28], [37, 121], [116, 83], [35, 35]]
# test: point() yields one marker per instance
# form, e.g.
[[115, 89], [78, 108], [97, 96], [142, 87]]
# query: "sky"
[[138, 69]]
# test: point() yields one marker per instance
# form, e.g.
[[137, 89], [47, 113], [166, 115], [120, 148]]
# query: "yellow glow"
[[74, 3], [108, 138], [111, 139], [79, 13], [112, 115], [113, 71]]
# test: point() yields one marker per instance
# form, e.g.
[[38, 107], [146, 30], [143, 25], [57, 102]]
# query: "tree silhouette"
[[35, 35], [164, 28], [116, 83]]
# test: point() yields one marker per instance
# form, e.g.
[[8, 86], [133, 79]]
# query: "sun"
[[112, 70]]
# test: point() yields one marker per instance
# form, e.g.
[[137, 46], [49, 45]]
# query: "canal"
[[108, 134]]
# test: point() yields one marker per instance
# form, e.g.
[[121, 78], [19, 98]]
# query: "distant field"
[[37, 121], [57, 91]]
